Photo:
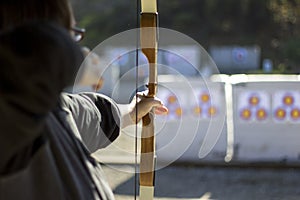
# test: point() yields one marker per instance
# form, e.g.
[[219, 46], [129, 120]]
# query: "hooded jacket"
[[46, 136]]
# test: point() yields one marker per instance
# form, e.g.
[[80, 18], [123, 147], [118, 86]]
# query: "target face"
[[208, 104], [173, 102], [239, 55], [286, 106], [253, 106]]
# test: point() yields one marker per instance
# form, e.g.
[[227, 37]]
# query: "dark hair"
[[16, 12]]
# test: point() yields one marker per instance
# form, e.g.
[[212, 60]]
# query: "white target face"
[[174, 104], [208, 104], [286, 106], [253, 106]]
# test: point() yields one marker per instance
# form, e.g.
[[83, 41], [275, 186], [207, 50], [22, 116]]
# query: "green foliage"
[[291, 50]]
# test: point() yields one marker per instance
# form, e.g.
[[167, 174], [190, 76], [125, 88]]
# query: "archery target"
[[208, 104], [253, 106], [286, 106], [239, 55], [172, 102]]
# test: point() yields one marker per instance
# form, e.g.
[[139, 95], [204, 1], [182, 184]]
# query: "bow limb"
[[148, 34]]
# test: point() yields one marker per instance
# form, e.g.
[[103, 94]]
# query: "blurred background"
[[231, 134], [271, 25]]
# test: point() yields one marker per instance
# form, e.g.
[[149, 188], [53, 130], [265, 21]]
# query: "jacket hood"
[[37, 61]]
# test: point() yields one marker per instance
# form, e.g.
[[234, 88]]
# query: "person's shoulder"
[[68, 100], [88, 100], [85, 96], [81, 99]]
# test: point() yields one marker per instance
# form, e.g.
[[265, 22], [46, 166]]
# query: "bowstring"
[[136, 99]]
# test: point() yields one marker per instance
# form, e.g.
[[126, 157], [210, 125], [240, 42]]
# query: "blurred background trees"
[[274, 25]]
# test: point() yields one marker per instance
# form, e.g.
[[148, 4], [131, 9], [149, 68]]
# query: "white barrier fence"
[[196, 110], [241, 118]]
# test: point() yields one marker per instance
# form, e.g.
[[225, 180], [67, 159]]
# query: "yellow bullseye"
[[261, 114], [212, 111], [280, 113], [178, 112], [197, 110], [288, 100], [172, 99], [254, 100], [295, 113], [205, 98], [246, 114]]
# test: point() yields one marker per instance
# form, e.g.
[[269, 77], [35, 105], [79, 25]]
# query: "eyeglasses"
[[78, 33]]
